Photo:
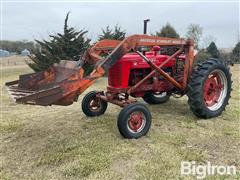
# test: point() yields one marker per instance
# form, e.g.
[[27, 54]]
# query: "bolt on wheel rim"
[[215, 90], [136, 122]]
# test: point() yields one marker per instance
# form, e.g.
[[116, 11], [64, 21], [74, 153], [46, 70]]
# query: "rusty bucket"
[[61, 84]]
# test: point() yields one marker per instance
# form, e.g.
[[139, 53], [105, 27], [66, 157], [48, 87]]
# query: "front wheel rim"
[[136, 122], [95, 105], [215, 90], [160, 94]]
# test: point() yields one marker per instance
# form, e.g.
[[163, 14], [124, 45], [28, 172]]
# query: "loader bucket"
[[61, 84]]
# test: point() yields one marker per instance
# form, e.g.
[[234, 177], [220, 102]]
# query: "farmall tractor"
[[133, 72]]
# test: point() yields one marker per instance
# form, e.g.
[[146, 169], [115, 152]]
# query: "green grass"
[[61, 143], [231, 131]]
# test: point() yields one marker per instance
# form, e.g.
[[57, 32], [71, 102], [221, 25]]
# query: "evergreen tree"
[[236, 53], [116, 34], [106, 34], [213, 50], [168, 31], [69, 45]]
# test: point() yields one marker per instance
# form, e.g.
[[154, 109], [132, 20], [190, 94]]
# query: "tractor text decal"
[[164, 41]]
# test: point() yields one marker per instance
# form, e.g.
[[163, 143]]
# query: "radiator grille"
[[115, 75]]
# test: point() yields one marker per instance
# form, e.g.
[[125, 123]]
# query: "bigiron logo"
[[200, 170]]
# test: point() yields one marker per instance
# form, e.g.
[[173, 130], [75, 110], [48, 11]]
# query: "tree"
[[235, 55], [116, 34], [194, 32], [207, 40], [201, 56], [168, 31], [69, 45], [213, 50]]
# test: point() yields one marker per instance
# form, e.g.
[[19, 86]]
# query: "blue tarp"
[[4, 53], [25, 52]]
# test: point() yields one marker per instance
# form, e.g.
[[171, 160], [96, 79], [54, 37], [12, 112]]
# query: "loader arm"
[[93, 54]]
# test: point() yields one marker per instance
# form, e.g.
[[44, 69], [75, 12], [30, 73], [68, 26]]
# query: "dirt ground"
[[14, 60], [61, 143]]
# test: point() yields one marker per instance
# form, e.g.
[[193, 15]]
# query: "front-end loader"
[[136, 67]]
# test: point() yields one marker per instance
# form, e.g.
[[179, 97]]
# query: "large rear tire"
[[209, 88]]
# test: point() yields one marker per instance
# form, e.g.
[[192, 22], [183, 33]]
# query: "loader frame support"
[[159, 70], [134, 41], [130, 44]]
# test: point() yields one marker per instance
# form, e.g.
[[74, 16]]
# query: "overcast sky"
[[36, 20]]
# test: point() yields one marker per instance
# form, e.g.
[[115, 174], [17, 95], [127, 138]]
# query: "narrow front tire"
[[134, 121], [92, 105]]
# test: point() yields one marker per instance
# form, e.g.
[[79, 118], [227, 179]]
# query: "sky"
[[36, 20]]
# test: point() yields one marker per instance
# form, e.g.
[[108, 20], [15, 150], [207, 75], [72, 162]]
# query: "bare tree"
[[194, 32]]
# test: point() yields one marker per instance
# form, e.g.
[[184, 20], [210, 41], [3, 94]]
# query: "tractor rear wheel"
[[134, 121], [209, 88], [93, 106], [156, 97]]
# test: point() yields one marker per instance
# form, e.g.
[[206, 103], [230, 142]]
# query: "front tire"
[[134, 121], [93, 106], [209, 89]]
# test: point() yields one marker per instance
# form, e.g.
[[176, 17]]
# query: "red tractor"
[[137, 67]]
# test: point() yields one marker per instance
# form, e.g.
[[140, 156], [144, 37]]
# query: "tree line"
[[17, 46], [72, 43]]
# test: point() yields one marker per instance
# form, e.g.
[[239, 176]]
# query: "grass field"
[[61, 143]]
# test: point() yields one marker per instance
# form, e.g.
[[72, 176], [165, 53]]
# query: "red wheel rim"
[[136, 122], [215, 90]]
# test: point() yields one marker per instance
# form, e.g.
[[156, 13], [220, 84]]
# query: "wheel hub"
[[213, 89], [136, 121], [95, 105]]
